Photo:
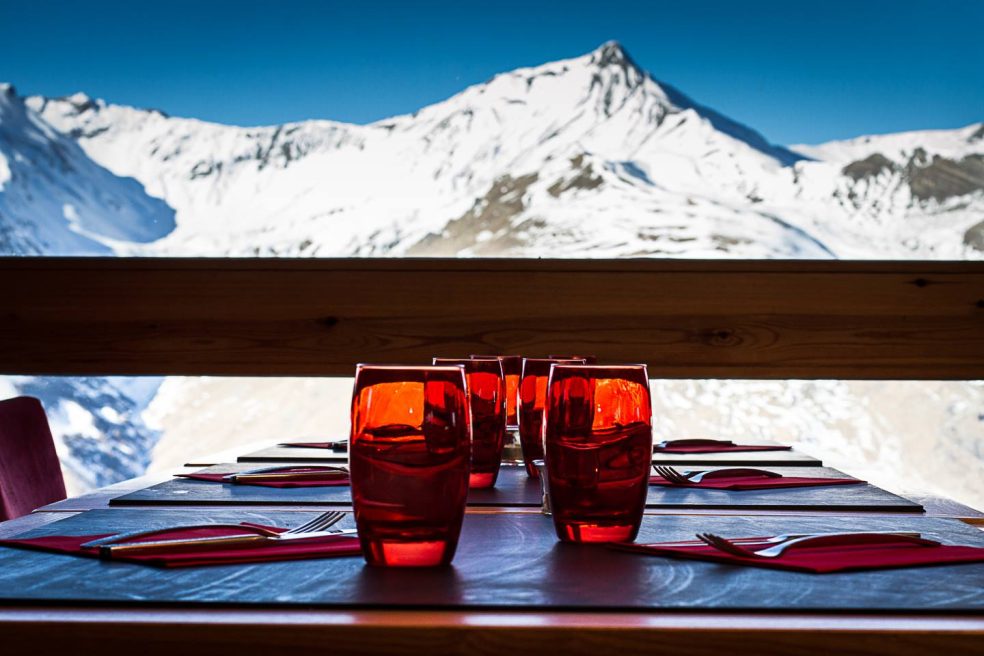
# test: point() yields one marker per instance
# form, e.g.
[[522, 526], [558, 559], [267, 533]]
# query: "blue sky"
[[797, 72]]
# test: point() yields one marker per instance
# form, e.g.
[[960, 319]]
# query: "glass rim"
[[477, 365], [565, 365], [568, 361], [461, 361], [411, 367]]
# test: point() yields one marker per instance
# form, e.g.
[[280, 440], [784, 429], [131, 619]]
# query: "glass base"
[[386, 553], [583, 532], [531, 469], [477, 480]]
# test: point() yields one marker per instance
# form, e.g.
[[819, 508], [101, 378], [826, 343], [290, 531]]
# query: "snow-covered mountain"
[[100, 433], [586, 157], [55, 199]]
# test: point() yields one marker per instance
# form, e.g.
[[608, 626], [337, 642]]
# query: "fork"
[[730, 546], [316, 527], [689, 478]]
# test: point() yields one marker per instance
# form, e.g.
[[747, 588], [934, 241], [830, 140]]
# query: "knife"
[[693, 442], [108, 550], [314, 471]]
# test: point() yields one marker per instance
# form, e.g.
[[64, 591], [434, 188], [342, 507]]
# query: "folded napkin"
[[196, 555], [276, 479], [338, 445], [714, 446], [825, 559], [756, 482]]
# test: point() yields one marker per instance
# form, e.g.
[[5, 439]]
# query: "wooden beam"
[[110, 631], [685, 318]]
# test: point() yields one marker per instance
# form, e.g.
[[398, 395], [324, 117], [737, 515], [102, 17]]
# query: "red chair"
[[30, 476]]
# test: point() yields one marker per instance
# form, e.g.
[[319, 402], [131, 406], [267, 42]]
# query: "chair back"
[[30, 475]]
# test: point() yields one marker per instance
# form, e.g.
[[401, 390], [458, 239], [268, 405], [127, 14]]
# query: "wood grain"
[[729, 319], [166, 631]]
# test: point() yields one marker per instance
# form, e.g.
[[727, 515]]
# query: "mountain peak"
[[612, 53], [80, 102], [610, 60]]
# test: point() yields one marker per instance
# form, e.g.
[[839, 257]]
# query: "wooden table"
[[114, 628]]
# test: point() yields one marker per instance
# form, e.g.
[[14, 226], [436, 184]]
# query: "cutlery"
[[337, 445], [123, 537], [758, 541], [109, 550], [314, 471], [317, 527], [694, 442], [692, 477], [847, 538]]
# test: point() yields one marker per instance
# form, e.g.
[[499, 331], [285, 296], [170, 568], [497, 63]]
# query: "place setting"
[[712, 451], [818, 553], [313, 450], [248, 484], [208, 543], [278, 476], [772, 488]]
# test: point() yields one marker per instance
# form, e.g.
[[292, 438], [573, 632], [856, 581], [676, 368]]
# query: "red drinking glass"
[[532, 401], [409, 457], [599, 446], [512, 368], [487, 404]]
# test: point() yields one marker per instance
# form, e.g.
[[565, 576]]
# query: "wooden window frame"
[[764, 319]]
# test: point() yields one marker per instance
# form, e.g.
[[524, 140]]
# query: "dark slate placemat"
[[863, 497], [514, 489], [294, 454], [505, 561], [790, 458]]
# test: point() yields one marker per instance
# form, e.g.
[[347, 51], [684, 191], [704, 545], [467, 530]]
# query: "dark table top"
[[514, 488], [504, 560]]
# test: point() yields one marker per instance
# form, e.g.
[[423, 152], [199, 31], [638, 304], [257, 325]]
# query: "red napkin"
[[826, 559], [715, 446], [193, 556], [756, 483], [329, 480], [340, 445]]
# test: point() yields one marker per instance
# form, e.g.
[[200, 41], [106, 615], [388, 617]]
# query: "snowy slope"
[[911, 194], [97, 422], [55, 200], [587, 157]]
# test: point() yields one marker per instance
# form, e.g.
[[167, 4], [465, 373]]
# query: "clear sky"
[[799, 72]]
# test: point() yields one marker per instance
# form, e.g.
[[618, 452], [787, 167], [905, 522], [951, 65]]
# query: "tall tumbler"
[[487, 403], [409, 457], [532, 399], [599, 446], [512, 368]]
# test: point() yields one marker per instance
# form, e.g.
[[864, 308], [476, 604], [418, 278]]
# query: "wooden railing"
[[685, 318]]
